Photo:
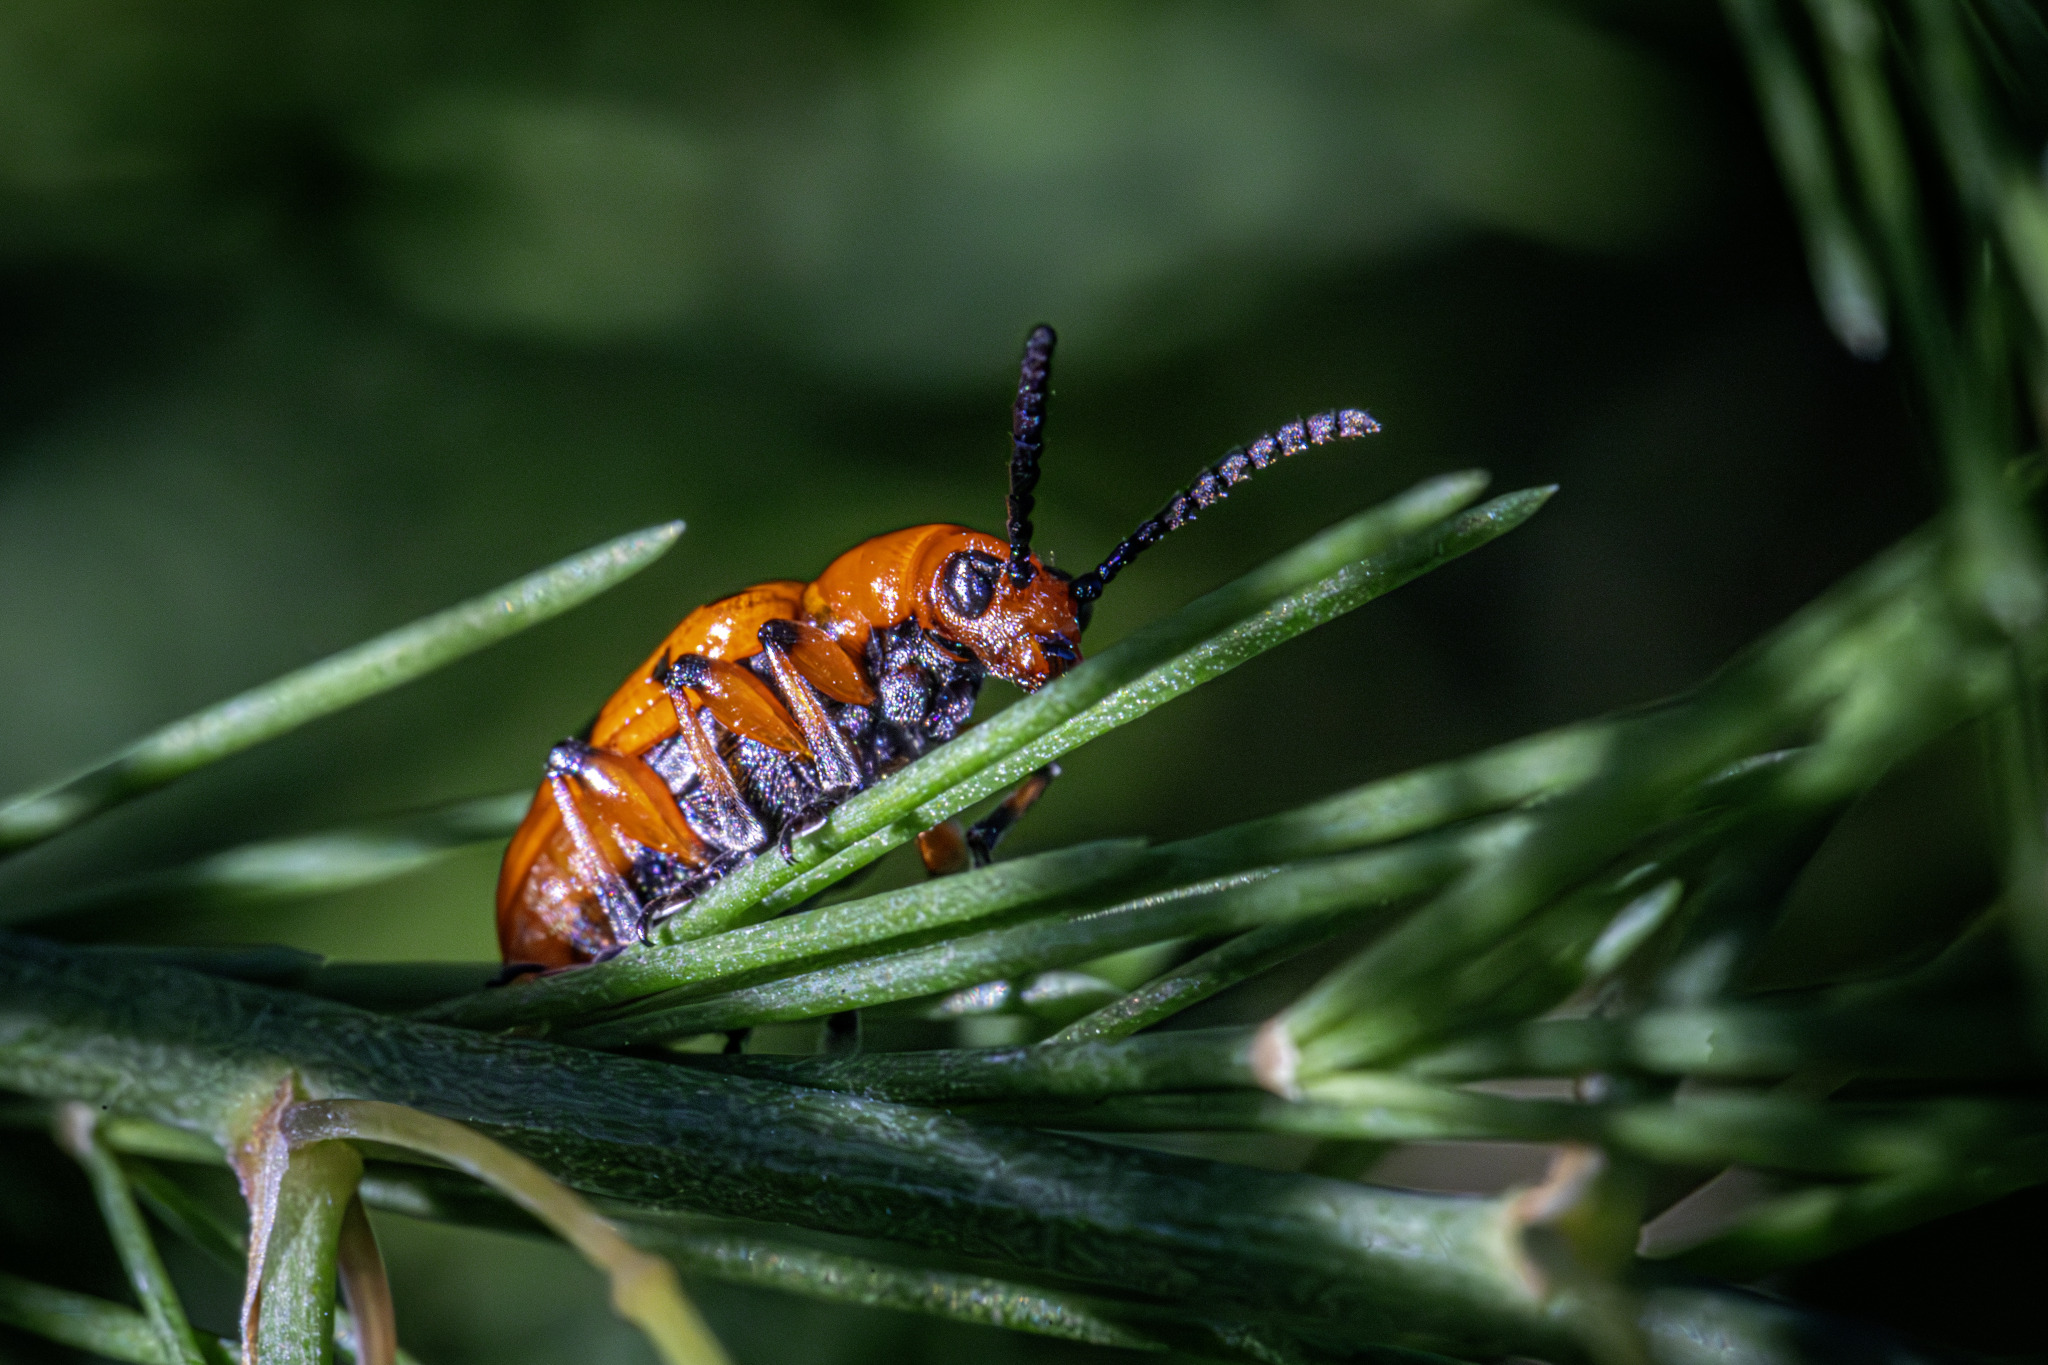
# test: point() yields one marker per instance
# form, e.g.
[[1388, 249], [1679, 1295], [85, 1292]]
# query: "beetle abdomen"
[[736, 794]]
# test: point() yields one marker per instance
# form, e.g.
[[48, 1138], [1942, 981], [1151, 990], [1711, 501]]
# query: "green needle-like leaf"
[[307, 864], [1343, 568], [81, 1322], [1382, 877], [949, 902], [146, 1274], [336, 682]]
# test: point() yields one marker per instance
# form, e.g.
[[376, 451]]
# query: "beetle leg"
[[615, 894], [944, 850], [842, 1033], [988, 831], [821, 659], [736, 699], [949, 847], [735, 827], [838, 769]]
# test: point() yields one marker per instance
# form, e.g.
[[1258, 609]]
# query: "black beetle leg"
[[842, 1033], [988, 831]]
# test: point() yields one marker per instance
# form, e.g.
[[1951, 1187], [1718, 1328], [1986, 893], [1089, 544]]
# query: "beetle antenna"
[[1027, 443], [1213, 485]]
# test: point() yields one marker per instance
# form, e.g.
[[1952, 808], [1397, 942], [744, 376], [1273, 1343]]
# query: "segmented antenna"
[[1027, 443], [1213, 485]]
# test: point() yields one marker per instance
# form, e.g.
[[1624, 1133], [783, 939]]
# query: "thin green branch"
[[1382, 877], [1861, 661], [1337, 571], [1998, 558], [206, 1231], [770, 1258], [1825, 1220], [941, 904], [1772, 1131], [1376, 813], [1187, 1059], [1415, 802], [288, 1315], [2000, 187], [1195, 980], [82, 1322], [173, 1206], [145, 1269], [1751, 1041], [644, 1290], [1845, 278], [336, 682], [304, 865], [199, 1052], [884, 1275]]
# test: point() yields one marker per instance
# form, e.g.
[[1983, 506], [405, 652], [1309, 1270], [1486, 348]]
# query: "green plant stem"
[[1337, 571], [1998, 559], [1540, 766], [1533, 967], [1691, 1324], [2000, 189], [365, 1288], [1189, 1059], [882, 1275], [304, 865], [1200, 977], [221, 1242], [334, 683], [1741, 1041], [943, 903], [1824, 1220], [205, 1230], [82, 1322], [1852, 39], [201, 1053], [1868, 660], [1776, 1132], [761, 1255], [145, 1269], [293, 1301], [1381, 877], [1845, 279], [977, 1299], [1686, 1325], [644, 1290], [1376, 813]]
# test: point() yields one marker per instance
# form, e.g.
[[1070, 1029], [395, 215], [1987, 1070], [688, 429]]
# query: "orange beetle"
[[764, 710]]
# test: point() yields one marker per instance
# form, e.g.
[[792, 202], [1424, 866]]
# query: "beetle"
[[762, 711]]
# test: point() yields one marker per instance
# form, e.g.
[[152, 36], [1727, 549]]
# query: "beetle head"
[[1027, 633], [1022, 619]]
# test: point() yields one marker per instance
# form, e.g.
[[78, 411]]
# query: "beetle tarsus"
[[988, 831]]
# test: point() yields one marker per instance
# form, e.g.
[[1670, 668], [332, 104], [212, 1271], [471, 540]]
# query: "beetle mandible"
[[763, 711]]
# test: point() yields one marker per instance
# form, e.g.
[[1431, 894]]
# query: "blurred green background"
[[322, 316]]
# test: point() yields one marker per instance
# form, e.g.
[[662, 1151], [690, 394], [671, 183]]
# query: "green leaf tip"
[[338, 681]]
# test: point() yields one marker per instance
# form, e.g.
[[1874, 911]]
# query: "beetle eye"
[[969, 582]]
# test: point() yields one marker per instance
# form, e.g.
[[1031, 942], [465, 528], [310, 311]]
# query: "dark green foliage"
[[1760, 968]]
